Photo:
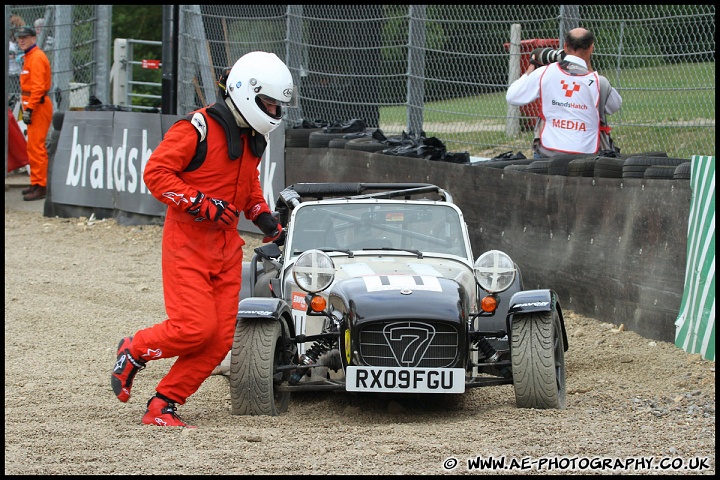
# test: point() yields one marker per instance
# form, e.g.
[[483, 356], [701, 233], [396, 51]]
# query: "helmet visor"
[[292, 102], [270, 106], [270, 100]]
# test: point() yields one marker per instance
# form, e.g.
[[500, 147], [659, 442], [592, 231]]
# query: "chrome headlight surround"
[[314, 271], [494, 271]]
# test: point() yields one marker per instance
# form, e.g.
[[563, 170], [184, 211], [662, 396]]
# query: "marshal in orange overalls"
[[35, 82]]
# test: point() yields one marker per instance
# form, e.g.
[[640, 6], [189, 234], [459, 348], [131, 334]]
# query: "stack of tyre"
[[299, 137], [668, 168], [547, 166], [354, 135], [351, 141], [362, 139], [654, 165], [508, 160], [320, 134]]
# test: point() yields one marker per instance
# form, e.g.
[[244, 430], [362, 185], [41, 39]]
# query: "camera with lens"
[[546, 56]]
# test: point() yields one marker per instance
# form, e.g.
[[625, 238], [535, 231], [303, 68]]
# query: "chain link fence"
[[70, 37], [441, 70], [444, 70]]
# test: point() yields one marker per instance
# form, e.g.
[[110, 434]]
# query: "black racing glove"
[[270, 226], [27, 116], [213, 209]]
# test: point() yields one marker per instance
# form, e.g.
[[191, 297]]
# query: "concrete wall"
[[613, 248]]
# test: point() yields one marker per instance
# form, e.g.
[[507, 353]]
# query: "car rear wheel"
[[258, 349], [538, 360]]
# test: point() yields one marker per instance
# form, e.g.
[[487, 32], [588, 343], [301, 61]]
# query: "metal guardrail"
[[121, 76]]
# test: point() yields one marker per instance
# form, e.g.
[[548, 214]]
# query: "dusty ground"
[[74, 287]]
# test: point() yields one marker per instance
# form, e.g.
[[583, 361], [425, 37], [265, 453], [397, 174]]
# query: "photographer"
[[574, 99]]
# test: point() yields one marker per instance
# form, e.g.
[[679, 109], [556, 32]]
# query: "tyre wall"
[[612, 248]]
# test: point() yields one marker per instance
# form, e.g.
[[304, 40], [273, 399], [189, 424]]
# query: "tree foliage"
[[141, 22]]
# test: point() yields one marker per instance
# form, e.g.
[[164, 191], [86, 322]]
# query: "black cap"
[[25, 32]]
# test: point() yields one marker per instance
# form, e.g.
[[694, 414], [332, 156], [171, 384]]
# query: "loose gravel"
[[74, 287]]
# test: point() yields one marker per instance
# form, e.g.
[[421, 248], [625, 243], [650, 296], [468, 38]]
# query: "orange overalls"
[[35, 82], [201, 260]]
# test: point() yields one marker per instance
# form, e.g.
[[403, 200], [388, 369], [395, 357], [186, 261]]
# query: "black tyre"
[[634, 167], [299, 137], [337, 143], [609, 167], [559, 165], [258, 349], [682, 171], [52, 142], [537, 353], [519, 168], [367, 144], [538, 166], [321, 139], [581, 167], [504, 163], [660, 171], [57, 119]]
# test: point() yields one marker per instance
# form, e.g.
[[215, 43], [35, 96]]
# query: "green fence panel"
[[695, 325]]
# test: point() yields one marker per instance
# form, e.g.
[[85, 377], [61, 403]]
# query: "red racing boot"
[[125, 369], [161, 411]]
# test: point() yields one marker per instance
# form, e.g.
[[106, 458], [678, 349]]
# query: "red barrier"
[[531, 110], [17, 145]]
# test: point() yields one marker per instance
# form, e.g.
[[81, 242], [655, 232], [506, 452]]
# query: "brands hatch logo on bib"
[[569, 90]]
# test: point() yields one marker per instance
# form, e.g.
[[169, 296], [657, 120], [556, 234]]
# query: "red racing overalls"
[[201, 259]]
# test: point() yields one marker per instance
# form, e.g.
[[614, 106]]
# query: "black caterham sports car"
[[374, 288]]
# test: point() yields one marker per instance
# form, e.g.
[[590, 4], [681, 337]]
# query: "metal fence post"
[[295, 57], [169, 59], [62, 53], [512, 125], [416, 69], [120, 71], [102, 52]]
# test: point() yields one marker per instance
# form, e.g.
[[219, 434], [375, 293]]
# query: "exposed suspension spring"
[[311, 356], [490, 353], [492, 356]]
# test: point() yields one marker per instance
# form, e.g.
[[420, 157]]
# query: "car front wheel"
[[538, 360], [258, 349]]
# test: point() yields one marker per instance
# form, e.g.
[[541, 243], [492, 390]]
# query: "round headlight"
[[495, 271], [314, 271]]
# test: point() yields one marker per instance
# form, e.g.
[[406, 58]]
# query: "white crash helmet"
[[259, 75]]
